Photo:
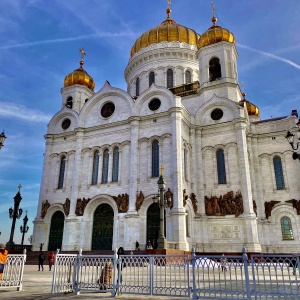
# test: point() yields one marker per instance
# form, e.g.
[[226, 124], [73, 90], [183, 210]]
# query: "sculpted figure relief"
[[169, 197], [194, 202], [139, 200], [66, 206], [224, 205], [45, 206], [185, 197], [269, 206], [296, 204], [122, 202], [80, 206]]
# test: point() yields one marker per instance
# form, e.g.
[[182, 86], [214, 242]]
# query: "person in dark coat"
[[41, 261], [293, 264]]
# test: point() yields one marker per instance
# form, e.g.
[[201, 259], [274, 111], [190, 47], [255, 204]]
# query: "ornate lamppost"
[[294, 141], [14, 213], [24, 228], [162, 202], [2, 139]]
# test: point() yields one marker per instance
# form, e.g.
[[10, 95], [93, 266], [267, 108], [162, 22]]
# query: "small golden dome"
[[167, 31], [252, 109], [80, 76], [215, 34]]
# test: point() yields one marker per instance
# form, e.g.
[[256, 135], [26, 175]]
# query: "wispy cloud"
[[11, 110], [270, 55], [64, 40]]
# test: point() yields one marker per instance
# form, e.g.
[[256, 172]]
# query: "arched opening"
[[188, 77], [151, 78], [153, 222], [69, 102], [170, 78], [137, 87], [103, 228], [56, 231], [214, 69]]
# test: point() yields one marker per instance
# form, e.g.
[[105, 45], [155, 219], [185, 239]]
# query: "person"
[[123, 265], [41, 261], [223, 263], [293, 264], [137, 244], [3, 259], [51, 257]]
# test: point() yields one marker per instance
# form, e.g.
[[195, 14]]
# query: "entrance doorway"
[[103, 228], [56, 231], [153, 222]]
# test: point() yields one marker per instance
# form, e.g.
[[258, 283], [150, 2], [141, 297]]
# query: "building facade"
[[231, 179]]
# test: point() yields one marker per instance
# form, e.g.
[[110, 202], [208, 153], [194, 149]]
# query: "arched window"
[[95, 168], [286, 228], [278, 173], [214, 69], [188, 77], [115, 171], [151, 78], [169, 78], [137, 87], [69, 102], [105, 166], [155, 159], [221, 167], [61, 172]]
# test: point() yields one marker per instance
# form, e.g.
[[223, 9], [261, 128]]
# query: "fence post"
[[247, 280], [54, 271], [151, 261], [22, 271], [77, 266], [115, 286], [194, 288]]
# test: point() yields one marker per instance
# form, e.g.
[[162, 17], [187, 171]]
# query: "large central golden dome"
[[167, 31]]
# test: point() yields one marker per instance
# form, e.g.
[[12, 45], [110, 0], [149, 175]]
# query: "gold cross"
[[161, 169], [243, 87], [83, 54], [213, 9], [169, 3], [19, 187]]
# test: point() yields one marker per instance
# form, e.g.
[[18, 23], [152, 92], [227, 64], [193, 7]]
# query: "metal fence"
[[12, 276], [196, 277]]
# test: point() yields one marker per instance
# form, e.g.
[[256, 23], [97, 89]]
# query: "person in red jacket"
[[3, 259], [51, 257]]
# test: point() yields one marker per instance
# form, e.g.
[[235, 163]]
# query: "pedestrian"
[[51, 257], [41, 261], [122, 264], [137, 244], [223, 263], [41, 247], [3, 259], [293, 264]]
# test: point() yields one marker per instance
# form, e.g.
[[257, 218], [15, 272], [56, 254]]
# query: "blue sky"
[[39, 46]]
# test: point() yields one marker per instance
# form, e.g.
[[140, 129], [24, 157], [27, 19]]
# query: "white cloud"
[[11, 110]]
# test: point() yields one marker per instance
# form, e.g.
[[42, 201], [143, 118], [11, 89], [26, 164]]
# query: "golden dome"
[[252, 109], [167, 31], [215, 34], [80, 76]]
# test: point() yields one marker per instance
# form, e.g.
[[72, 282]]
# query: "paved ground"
[[37, 285]]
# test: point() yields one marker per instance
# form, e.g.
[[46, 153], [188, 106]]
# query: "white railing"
[[12, 276]]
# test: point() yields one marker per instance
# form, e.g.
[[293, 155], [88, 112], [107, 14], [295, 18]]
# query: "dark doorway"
[[103, 228], [56, 231], [153, 220]]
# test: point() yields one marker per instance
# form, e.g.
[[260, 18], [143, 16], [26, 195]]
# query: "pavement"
[[37, 285]]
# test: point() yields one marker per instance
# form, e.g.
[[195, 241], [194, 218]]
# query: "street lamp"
[[162, 202], [294, 141], [14, 213], [2, 139], [24, 228]]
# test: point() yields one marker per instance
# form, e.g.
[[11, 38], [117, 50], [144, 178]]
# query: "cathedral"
[[231, 181]]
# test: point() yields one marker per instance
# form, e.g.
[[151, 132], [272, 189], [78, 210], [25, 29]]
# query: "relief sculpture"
[[224, 205], [66, 206], [194, 202], [296, 204], [169, 198], [139, 200], [122, 202], [269, 206], [185, 197], [45, 206], [80, 206]]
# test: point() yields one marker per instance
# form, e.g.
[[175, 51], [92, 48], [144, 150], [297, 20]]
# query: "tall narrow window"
[[214, 69], [286, 228], [278, 173], [137, 87], [105, 166], [221, 167], [95, 168], [155, 159], [61, 172], [151, 78], [115, 171], [184, 164], [69, 102], [169, 78], [188, 77]]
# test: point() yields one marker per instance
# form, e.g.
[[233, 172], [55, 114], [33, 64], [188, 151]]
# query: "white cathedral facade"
[[230, 177]]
